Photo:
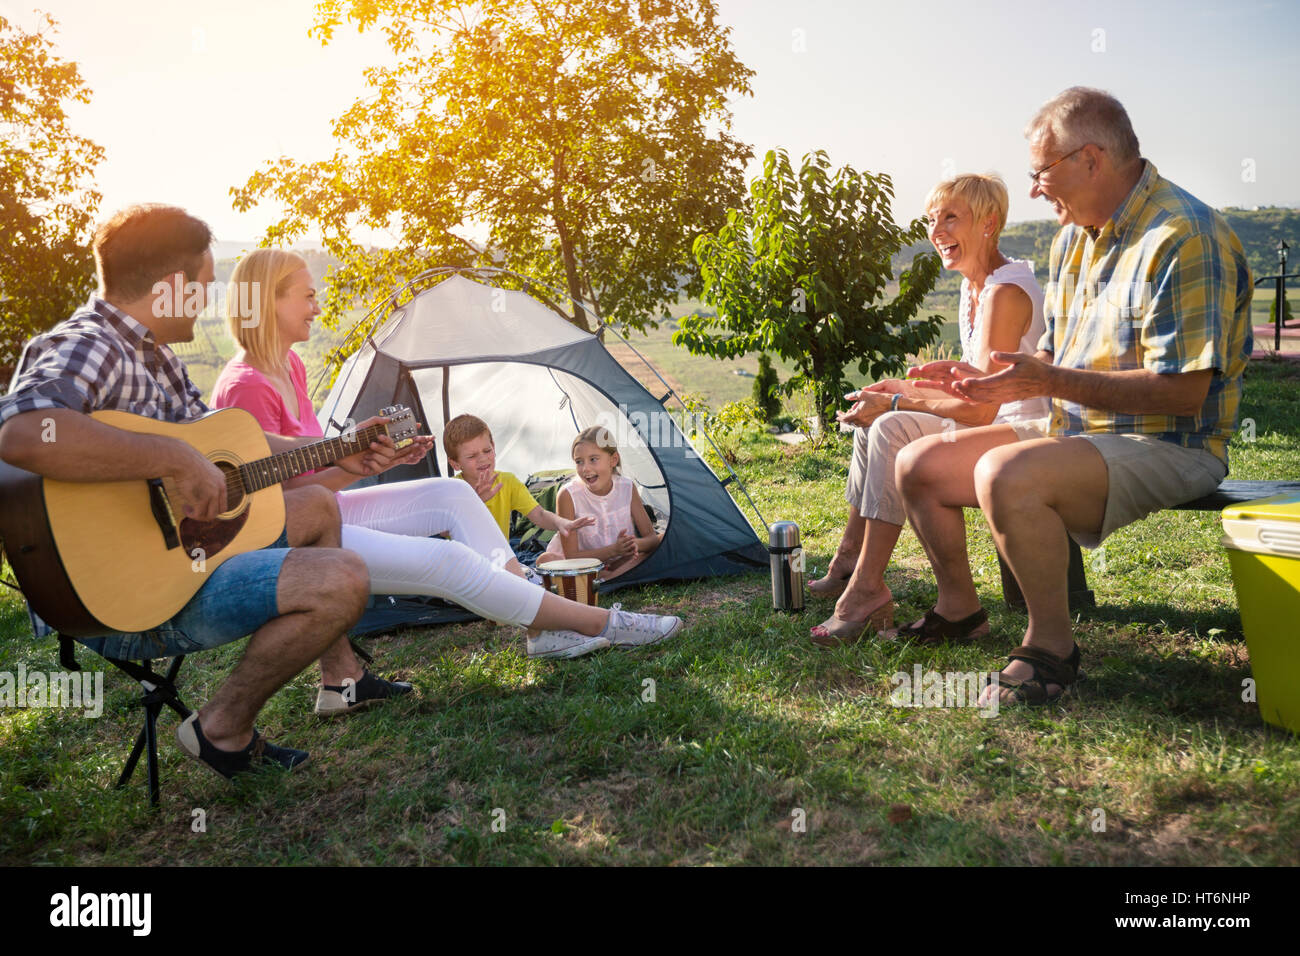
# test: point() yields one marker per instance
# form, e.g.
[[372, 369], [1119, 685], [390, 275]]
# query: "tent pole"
[[731, 471]]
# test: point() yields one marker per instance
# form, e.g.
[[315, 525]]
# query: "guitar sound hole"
[[234, 486], [209, 538]]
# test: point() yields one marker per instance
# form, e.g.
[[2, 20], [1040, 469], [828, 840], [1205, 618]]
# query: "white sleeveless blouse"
[[613, 512], [1018, 272]]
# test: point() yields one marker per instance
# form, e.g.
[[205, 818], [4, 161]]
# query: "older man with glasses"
[[1148, 333]]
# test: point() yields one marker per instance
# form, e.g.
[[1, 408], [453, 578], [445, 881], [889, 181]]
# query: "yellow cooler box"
[[1263, 542]]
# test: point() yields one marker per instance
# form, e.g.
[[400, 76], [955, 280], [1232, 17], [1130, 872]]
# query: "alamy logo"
[[55, 689], [102, 909], [949, 689]]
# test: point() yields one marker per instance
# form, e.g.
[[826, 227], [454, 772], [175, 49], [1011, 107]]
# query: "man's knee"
[[317, 500], [331, 580], [310, 512], [1004, 479]]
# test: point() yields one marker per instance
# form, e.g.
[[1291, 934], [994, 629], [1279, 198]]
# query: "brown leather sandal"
[[934, 629], [1047, 669]]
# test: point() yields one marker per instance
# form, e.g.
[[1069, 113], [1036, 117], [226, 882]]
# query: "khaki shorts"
[[1030, 428], [1147, 474]]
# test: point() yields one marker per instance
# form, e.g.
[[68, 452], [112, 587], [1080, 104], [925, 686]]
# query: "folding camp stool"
[[156, 692]]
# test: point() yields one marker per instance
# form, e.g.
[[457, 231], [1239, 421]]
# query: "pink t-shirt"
[[241, 385]]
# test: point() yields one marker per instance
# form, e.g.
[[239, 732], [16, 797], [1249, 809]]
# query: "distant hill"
[[319, 262], [1258, 229]]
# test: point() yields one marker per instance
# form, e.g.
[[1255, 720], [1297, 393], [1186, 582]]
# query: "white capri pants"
[[389, 525], [871, 486]]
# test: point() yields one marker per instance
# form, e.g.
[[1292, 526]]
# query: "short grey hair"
[[1082, 115]]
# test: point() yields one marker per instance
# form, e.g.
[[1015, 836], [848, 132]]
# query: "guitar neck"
[[284, 465]]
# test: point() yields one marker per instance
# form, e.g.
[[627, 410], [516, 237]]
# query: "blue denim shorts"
[[237, 599]]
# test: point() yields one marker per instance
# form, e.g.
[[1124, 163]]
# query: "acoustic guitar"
[[94, 557]]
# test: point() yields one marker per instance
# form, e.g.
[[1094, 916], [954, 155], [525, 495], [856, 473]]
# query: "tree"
[[590, 137], [765, 385], [46, 204], [1272, 312], [799, 274]]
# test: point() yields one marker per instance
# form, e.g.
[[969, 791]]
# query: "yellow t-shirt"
[[513, 496]]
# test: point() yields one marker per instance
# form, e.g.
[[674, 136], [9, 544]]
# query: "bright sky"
[[918, 90]]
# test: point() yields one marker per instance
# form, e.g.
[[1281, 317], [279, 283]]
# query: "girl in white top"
[[622, 536]]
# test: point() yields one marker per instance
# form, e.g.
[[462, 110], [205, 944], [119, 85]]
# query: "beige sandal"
[[830, 587], [837, 632]]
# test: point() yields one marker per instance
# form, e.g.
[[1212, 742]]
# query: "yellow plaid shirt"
[[1164, 286]]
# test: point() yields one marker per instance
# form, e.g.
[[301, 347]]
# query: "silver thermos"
[[786, 557]]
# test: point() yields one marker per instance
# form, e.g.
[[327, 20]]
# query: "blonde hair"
[[985, 194], [599, 436], [258, 279], [1082, 115]]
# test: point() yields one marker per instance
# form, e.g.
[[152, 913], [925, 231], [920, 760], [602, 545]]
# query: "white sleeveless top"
[[613, 512], [1018, 272]]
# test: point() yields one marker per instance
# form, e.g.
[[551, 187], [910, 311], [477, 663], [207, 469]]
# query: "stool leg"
[[132, 760], [151, 732]]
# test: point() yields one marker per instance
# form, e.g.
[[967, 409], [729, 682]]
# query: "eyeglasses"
[[1034, 176]]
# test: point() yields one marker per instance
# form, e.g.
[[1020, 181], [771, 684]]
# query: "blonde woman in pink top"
[[271, 306]]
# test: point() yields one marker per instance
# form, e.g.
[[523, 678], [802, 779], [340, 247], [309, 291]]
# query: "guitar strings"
[[235, 480]]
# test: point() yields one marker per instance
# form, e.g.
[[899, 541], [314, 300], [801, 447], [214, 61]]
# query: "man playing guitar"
[[154, 265]]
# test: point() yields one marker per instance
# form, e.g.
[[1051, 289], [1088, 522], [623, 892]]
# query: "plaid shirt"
[[1164, 286], [101, 359]]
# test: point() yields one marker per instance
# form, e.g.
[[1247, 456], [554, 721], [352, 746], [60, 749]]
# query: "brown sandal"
[[934, 629], [1047, 669]]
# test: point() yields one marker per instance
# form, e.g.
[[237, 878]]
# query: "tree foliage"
[[590, 137], [803, 273], [46, 202], [1272, 312], [766, 399]]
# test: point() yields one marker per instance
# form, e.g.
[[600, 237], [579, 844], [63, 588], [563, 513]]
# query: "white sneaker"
[[563, 644], [626, 629]]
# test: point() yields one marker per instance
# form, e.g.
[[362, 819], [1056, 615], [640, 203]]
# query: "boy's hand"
[[486, 485], [570, 525]]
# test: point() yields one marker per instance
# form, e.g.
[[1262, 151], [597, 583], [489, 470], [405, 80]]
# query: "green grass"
[[748, 725]]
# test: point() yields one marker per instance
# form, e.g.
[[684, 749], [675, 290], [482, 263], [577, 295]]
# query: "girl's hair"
[[250, 303], [599, 436]]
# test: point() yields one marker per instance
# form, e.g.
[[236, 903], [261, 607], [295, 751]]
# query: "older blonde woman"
[[1001, 308], [271, 307]]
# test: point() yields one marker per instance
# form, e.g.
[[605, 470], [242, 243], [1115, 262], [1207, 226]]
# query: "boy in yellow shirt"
[[467, 442]]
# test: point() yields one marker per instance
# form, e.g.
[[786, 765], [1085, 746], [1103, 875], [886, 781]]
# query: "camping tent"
[[468, 346]]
